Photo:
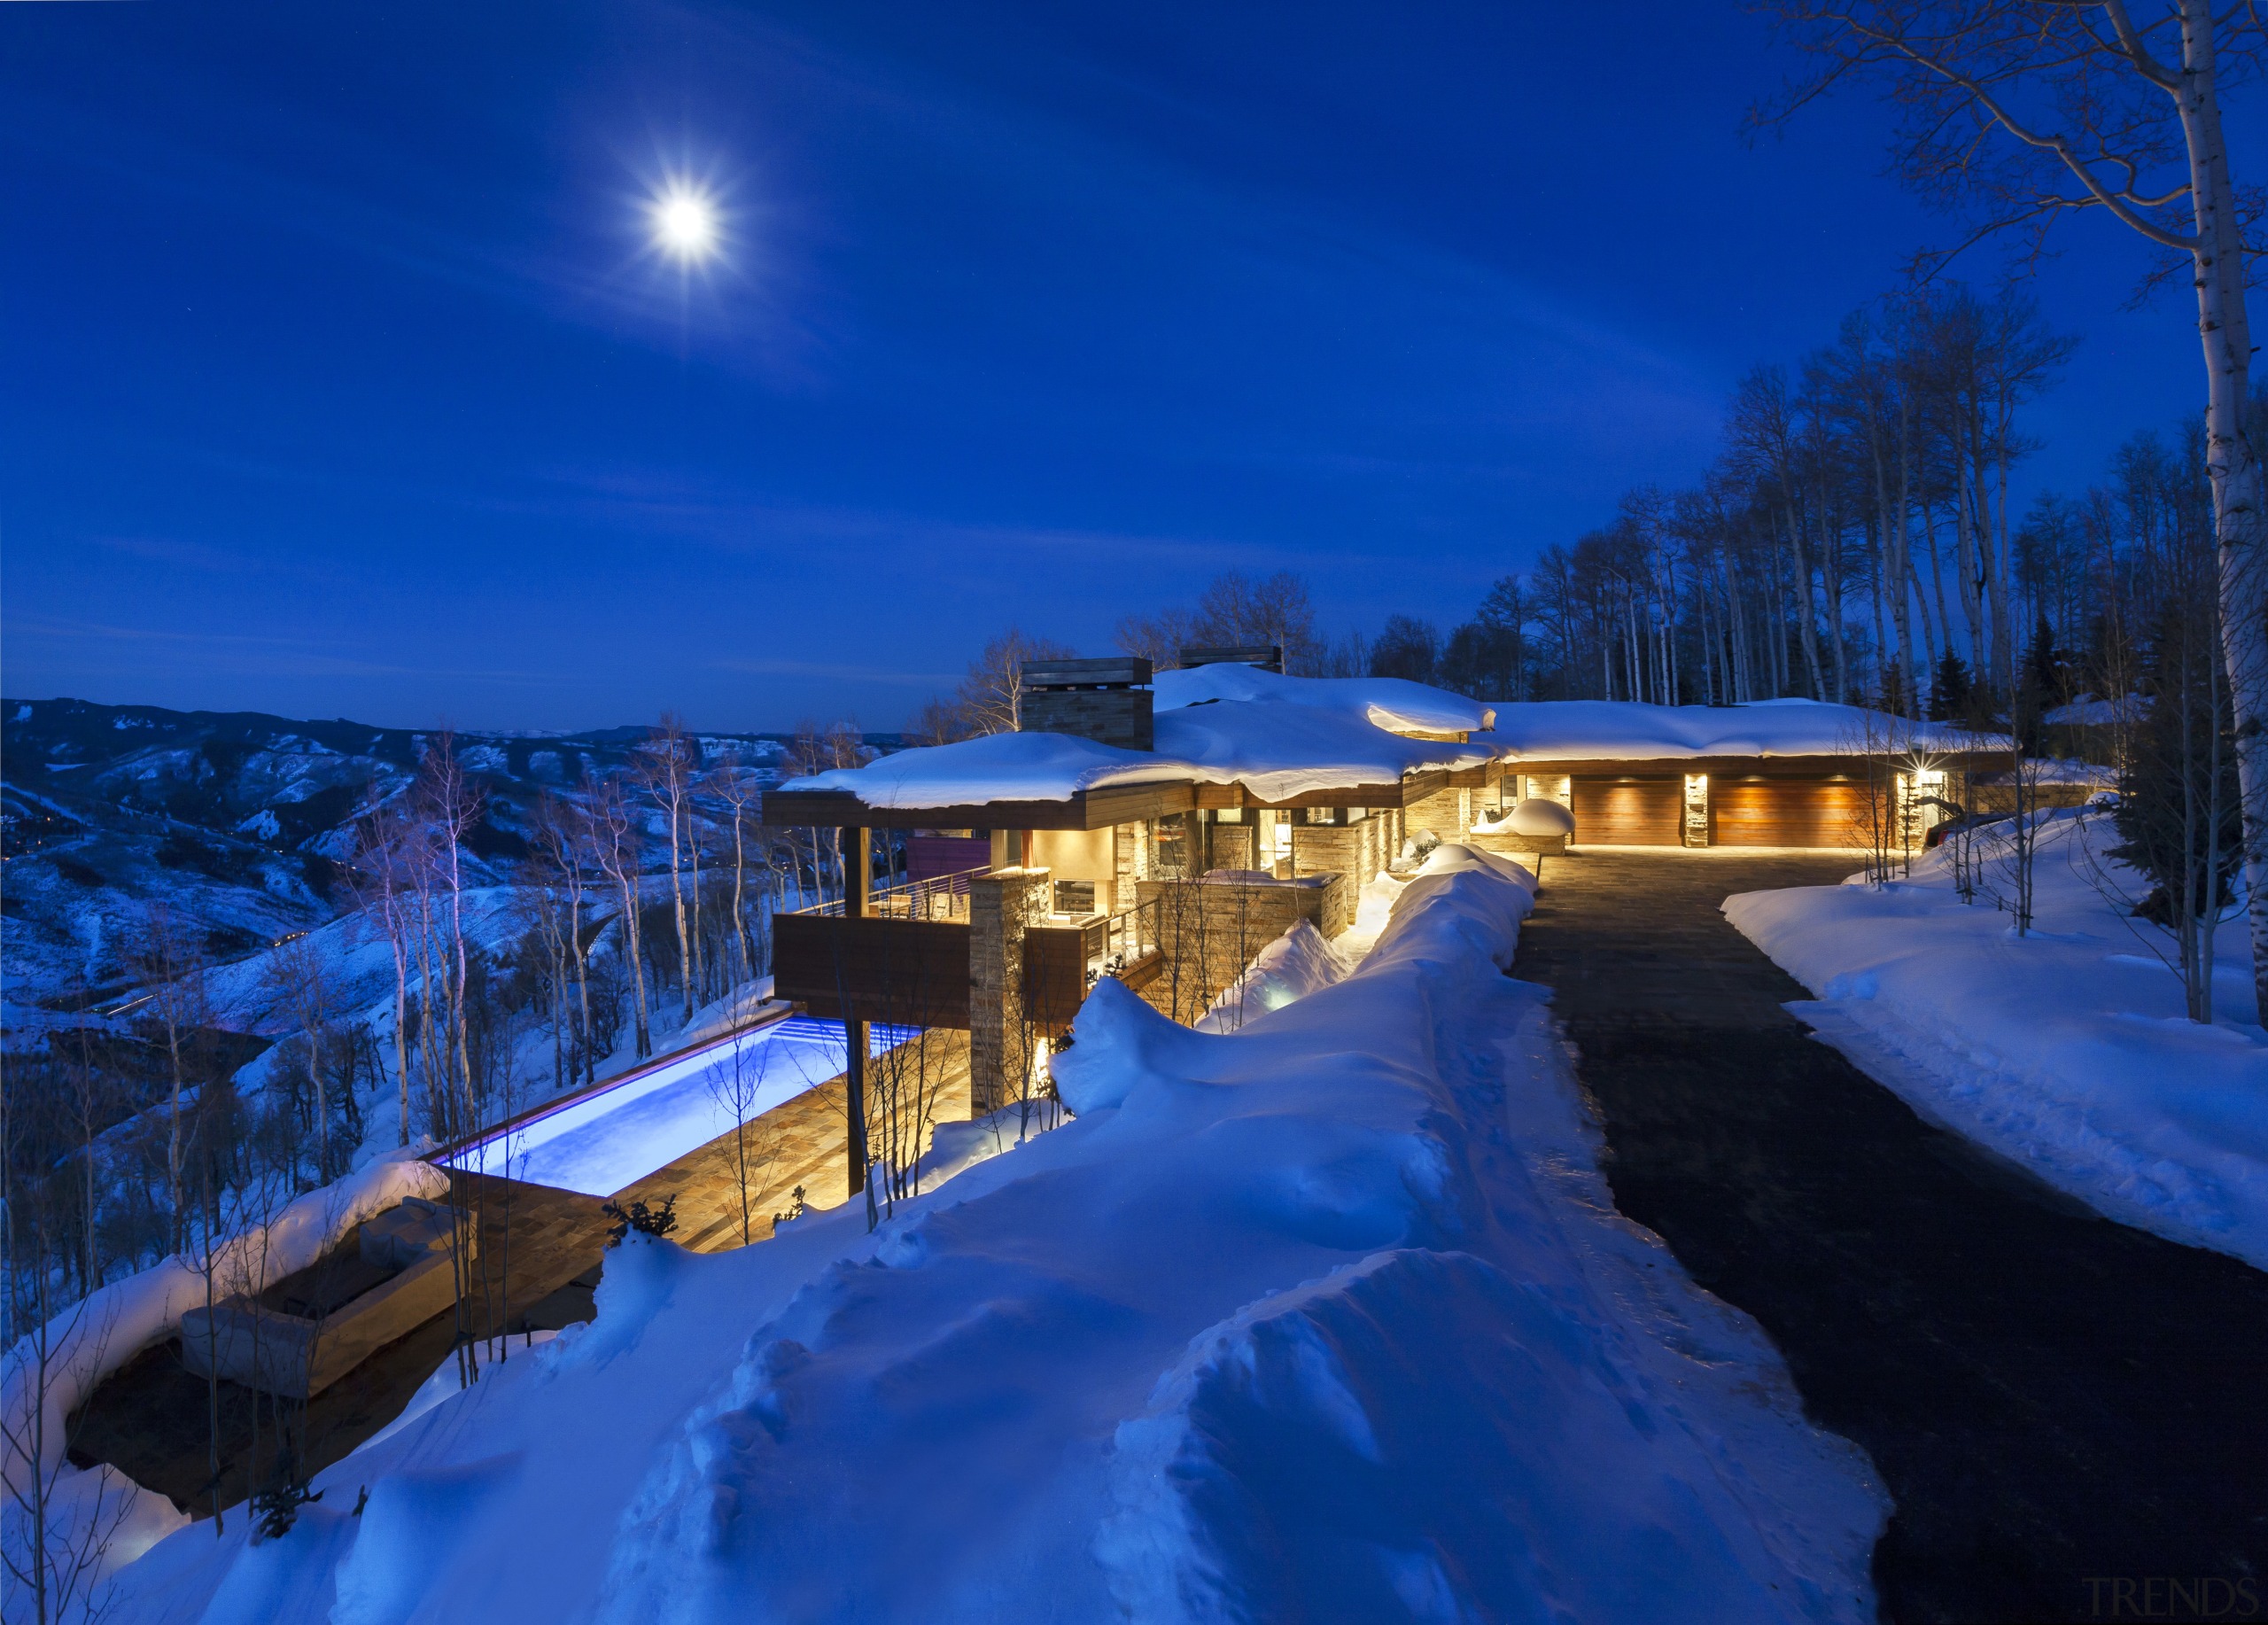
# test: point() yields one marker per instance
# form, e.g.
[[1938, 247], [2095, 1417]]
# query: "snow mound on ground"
[[2067, 1050], [1296, 964], [1331, 1314]]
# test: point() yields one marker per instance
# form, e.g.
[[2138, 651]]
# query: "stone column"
[[1331, 849], [1001, 905]]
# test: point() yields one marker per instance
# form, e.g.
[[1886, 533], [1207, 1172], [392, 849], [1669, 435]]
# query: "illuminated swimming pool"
[[604, 1141]]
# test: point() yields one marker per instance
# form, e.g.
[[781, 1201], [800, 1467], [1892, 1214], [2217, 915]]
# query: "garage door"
[[1784, 812], [1629, 811]]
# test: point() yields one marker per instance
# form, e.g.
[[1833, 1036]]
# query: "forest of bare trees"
[[1857, 540]]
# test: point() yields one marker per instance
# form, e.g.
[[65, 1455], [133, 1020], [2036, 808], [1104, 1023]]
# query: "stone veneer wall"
[[1448, 813], [1001, 906], [1507, 844], [1333, 849], [1209, 931]]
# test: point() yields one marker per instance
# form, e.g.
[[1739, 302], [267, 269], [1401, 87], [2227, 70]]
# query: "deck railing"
[[938, 896], [1127, 938]]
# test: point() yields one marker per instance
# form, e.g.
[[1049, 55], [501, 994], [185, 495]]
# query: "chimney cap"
[[1267, 657], [1105, 672]]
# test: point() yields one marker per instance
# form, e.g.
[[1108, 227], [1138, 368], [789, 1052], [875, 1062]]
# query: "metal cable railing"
[[936, 896]]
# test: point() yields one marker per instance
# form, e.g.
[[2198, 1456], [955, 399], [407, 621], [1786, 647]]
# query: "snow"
[[1282, 737], [2088, 711], [1298, 963], [1280, 750], [1329, 1317], [2067, 1050], [603, 1141], [1391, 702], [1620, 730], [1536, 818]]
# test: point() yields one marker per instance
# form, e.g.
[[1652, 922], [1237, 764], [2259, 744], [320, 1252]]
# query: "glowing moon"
[[685, 225]]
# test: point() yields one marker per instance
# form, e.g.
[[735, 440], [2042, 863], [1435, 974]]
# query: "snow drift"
[[1327, 1317], [2067, 1050], [1284, 736]]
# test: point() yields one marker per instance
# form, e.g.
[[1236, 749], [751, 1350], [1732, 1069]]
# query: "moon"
[[685, 225]]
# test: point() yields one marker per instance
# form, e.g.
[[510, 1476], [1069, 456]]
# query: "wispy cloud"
[[839, 674], [241, 652]]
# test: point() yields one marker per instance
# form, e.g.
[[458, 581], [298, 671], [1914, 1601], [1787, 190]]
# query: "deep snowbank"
[[2068, 1050], [1328, 1317]]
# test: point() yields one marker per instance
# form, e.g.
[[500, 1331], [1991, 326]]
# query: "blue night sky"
[[341, 377]]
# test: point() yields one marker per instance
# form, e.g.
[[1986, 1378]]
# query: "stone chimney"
[[1108, 700]]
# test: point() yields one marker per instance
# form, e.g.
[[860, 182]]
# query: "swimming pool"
[[611, 1139]]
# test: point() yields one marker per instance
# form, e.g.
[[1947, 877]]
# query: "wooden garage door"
[[1629, 811], [1783, 812]]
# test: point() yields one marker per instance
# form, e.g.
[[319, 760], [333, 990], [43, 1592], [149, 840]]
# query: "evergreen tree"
[[2178, 814], [2039, 685], [1950, 692]]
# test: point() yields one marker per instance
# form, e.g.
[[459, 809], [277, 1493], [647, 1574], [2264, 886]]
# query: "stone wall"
[[1002, 906], [1448, 813], [1209, 932], [1120, 717], [1506, 843], [1334, 849]]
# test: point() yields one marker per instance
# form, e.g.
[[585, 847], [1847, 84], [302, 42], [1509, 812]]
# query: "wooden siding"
[[1629, 811], [929, 856], [910, 972], [1055, 971], [1784, 812]]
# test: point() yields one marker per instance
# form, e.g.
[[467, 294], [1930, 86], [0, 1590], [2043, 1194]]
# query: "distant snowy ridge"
[[1328, 1317], [2067, 1051]]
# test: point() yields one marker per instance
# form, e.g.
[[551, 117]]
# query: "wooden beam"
[[1096, 808]]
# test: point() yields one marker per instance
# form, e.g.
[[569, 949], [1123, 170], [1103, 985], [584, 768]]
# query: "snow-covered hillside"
[[2067, 1050], [235, 821], [1331, 1316]]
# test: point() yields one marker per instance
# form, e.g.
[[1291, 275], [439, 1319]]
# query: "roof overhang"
[[1094, 809]]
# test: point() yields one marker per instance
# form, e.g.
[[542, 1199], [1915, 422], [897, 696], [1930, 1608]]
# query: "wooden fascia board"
[[1766, 766], [1097, 809]]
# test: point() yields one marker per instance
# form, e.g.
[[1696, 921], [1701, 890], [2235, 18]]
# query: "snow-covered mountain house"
[[1163, 828]]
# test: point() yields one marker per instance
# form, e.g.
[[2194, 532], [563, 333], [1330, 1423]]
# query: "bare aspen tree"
[[991, 696], [2029, 111], [300, 980], [618, 840], [174, 965], [562, 835], [383, 886], [55, 1549], [731, 784], [451, 806], [665, 767], [736, 1084]]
